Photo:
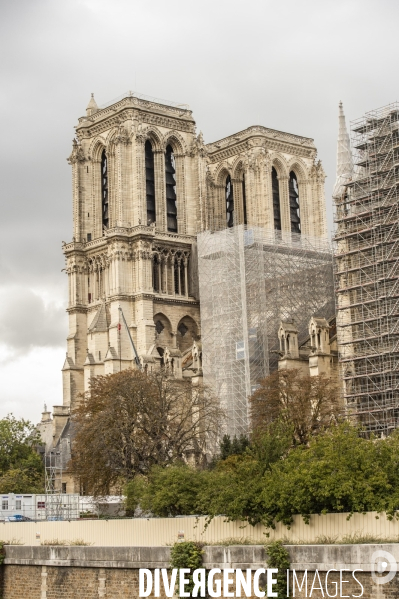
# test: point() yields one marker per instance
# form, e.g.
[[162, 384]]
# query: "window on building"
[[159, 327], [4, 504], [161, 352], [150, 182], [229, 202], [88, 236], [240, 350], [156, 272], [63, 487], [182, 329], [244, 201], [276, 200], [18, 504], [294, 203], [41, 505], [171, 207], [104, 189]]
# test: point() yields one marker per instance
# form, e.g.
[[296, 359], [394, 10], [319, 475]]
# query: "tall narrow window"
[[156, 274], [104, 190], [229, 202], [294, 203], [150, 182], [171, 208], [244, 201], [276, 200]]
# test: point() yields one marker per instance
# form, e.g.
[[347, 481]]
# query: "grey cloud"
[[27, 322]]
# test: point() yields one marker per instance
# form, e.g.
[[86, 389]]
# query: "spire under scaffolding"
[[367, 270], [344, 156]]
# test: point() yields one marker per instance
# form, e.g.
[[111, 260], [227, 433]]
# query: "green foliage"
[[187, 554], [229, 447], [21, 468], [278, 557], [171, 491], [233, 489], [2, 553], [340, 471]]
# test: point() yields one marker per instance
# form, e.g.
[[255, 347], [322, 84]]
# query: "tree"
[[129, 421], [233, 487], [307, 403], [237, 446], [21, 468], [171, 491], [340, 471]]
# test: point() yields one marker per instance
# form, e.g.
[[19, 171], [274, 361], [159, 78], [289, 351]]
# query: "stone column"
[[166, 275], [268, 197], [173, 275], [179, 275], [181, 193], [102, 580], [43, 587], [96, 218], [284, 207], [238, 204], [160, 190]]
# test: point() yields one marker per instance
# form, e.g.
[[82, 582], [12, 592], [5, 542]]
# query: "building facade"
[[144, 185]]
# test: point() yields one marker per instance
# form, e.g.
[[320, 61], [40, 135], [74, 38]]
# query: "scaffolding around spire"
[[367, 273]]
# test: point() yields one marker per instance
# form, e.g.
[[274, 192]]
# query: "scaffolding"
[[367, 273], [250, 280]]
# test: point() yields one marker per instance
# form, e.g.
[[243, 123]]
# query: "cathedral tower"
[[136, 177]]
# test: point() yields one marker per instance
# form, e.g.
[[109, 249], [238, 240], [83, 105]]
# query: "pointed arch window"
[[150, 182], [244, 200], [104, 190], [276, 200], [229, 202], [171, 199], [293, 191]]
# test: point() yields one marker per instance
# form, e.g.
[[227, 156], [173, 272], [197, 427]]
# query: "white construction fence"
[[143, 532]]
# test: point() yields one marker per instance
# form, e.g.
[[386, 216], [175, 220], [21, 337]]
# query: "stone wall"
[[90, 572]]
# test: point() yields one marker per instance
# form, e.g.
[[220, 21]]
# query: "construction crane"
[[136, 356]]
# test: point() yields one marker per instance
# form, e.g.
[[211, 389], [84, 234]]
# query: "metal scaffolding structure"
[[367, 273], [251, 279]]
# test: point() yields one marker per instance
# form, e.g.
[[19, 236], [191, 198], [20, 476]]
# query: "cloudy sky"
[[284, 65]]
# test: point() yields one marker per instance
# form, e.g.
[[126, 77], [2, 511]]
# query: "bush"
[[187, 554], [171, 491]]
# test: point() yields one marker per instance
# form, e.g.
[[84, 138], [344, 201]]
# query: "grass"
[[356, 538], [61, 543], [235, 541], [12, 542]]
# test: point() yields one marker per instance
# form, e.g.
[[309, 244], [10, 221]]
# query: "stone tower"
[[138, 177]]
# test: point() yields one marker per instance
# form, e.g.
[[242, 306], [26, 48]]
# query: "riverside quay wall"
[[73, 572]]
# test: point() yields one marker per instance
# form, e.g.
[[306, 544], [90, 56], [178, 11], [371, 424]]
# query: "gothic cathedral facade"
[[144, 185]]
